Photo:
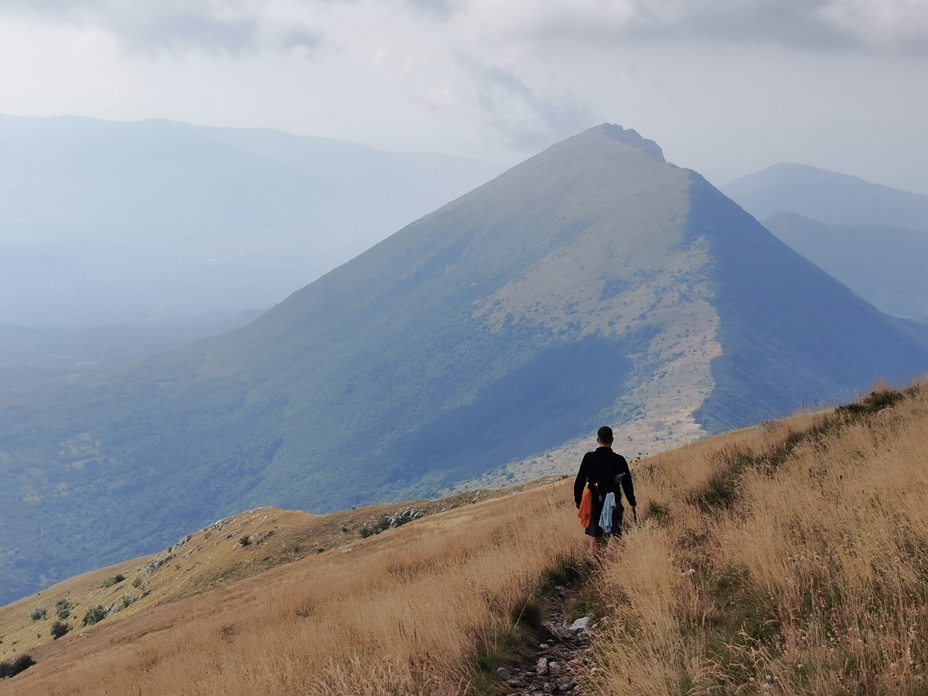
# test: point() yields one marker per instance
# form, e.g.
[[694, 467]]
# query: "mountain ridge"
[[827, 196], [592, 283]]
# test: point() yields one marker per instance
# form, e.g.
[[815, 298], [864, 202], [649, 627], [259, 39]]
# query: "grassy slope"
[[209, 558], [412, 610], [786, 558], [790, 558]]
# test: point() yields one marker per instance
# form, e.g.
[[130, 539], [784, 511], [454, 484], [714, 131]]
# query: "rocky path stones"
[[560, 663]]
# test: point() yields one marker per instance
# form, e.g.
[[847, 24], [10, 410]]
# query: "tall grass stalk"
[[812, 578]]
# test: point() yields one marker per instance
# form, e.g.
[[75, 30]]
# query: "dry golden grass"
[[790, 558], [406, 612], [207, 559]]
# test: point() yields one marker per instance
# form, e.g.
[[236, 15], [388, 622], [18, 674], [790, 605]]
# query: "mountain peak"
[[628, 136]]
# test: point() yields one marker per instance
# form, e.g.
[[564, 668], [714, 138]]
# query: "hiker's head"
[[604, 435]]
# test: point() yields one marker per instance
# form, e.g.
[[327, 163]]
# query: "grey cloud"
[[210, 26], [178, 32], [798, 23], [521, 117], [444, 9], [56, 11], [301, 37], [895, 25]]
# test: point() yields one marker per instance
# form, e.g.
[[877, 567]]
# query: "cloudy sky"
[[726, 87]]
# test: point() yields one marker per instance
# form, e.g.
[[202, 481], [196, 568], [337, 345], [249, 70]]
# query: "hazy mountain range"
[[592, 283], [818, 194], [141, 223], [872, 238]]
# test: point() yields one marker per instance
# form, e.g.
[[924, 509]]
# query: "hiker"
[[603, 472]]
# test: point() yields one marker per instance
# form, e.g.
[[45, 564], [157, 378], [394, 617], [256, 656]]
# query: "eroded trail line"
[[561, 661]]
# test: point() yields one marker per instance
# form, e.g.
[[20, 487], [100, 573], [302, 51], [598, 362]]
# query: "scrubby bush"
[[94, 615], [38, 614], [376, 528], [59, 628], [115, 580], [245, 540], [11, 669], [62, 609]]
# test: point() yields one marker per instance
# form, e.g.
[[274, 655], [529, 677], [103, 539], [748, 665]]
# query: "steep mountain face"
[[790, 333], [593, 283], [827, 196]]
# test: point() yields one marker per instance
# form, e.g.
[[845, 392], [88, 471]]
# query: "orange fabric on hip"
[[586, 503]]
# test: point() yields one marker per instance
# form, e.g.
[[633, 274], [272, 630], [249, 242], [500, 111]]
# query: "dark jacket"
[[600, 469]]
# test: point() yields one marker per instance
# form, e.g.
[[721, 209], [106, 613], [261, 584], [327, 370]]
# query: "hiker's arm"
[[580, 481], [627, 485]]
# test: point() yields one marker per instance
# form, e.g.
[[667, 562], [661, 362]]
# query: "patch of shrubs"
[[38, 614], [875, 402], [245, 541], [376, 528], [62, 609], [387, 521], [11, 669], [94, 615], [59, 628], [115, 580]]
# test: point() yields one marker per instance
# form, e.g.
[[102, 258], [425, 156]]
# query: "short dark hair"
[[605, 435]]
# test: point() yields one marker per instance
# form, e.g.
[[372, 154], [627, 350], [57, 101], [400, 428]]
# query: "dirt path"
[[561, 662]]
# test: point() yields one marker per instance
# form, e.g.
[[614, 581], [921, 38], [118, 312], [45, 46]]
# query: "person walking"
[[603, 472]]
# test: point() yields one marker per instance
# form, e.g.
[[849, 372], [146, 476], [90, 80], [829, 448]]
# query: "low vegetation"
[[430, 608], [788, 558], [62, 609], [94, 615], [11, 669]]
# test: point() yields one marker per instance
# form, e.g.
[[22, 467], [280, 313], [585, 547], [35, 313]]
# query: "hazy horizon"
[[726, 90]]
